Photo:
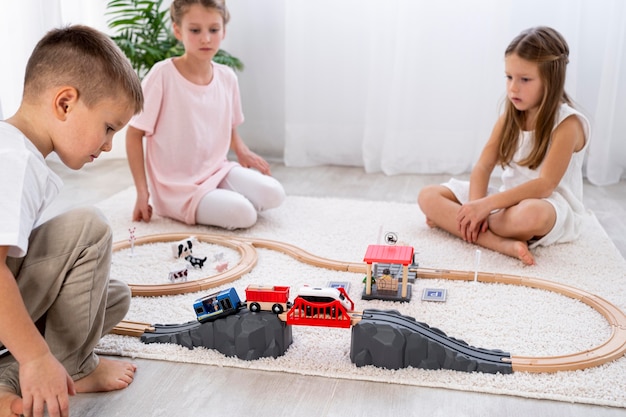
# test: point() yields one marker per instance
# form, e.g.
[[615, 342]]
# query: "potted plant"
[[145, 36]]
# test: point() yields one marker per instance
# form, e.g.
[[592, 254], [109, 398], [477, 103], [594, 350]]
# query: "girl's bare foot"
[[519, 249], [430, 223], [10, 403], [506, 246], [109, 375], [523, 253]]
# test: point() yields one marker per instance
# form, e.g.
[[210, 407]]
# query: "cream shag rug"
[[519, 320]]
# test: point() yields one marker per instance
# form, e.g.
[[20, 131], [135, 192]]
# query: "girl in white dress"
[[540, 142]]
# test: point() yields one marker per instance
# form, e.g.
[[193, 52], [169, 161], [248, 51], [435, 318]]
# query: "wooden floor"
[[167, 388]]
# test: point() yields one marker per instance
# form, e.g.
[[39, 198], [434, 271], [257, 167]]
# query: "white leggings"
[[237, 199]]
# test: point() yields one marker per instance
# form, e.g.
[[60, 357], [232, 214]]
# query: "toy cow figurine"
[[178, 274], [182, 248], [195, 262]]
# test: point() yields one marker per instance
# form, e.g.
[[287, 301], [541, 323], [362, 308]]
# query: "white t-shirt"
[[27, 186]]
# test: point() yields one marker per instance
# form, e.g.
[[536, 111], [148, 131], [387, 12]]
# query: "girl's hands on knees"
[[472, 220], [45, 384], [470, 234], [484, 226]]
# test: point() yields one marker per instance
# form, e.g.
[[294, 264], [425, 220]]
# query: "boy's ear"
[[64, 101]]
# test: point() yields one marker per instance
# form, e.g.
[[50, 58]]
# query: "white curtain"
[[414, 86], [400, 86], [22, 24]]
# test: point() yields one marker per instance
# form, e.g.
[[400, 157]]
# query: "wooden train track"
[[613, 348], [247, 261]]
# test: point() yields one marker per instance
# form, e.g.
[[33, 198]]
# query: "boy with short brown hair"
[[56, 299]]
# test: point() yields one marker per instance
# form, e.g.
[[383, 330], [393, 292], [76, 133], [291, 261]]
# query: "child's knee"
[[93, 222], [427, 195], [97, 219], [239, 213], [537, 215], [118, 302], [9, 376], [243, 217], [273, 197]]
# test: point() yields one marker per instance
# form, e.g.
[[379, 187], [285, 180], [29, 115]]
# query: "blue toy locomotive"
[[217, 304]]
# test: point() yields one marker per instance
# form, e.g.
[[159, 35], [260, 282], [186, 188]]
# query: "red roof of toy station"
[[389, 254]]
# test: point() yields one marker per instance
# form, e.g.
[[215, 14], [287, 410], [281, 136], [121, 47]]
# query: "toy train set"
[[270, 306], [424, 347], [313, 306]]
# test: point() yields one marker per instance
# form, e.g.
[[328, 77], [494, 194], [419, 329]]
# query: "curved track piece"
[[304, 256], [180, 334], [246, 335], [614, 347], [247, 261], [422, 346]]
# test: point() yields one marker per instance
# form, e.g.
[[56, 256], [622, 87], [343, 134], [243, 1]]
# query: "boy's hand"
[[45, 384]]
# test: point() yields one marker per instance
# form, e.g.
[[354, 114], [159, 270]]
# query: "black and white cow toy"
[[195, 262], [184, 249]]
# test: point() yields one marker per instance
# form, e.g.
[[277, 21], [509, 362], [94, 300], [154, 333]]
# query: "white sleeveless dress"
[[567, 198]]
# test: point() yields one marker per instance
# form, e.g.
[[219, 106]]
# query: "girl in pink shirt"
[[190, 118]]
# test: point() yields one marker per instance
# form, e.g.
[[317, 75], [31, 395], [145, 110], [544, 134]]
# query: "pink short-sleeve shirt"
[[188, 130]]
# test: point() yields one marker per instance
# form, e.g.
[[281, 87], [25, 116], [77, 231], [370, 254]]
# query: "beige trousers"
[[64, 281]]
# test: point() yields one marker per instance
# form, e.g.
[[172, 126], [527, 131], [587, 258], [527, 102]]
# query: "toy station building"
[[388, 254]]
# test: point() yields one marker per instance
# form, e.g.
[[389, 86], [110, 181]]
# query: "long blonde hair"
[[548, 49]]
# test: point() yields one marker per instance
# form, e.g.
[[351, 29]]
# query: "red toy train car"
[[267, 297], [313, 306]]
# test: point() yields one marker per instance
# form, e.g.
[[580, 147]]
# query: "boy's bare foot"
[[10, 403], [109, 375], [430, 223]]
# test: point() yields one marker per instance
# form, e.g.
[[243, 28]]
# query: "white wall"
[[256, 35], [406, 86]]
